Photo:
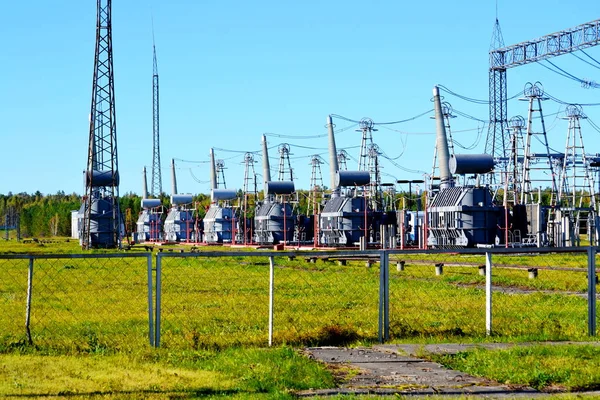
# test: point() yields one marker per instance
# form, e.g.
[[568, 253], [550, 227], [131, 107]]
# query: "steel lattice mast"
[[156, 170], [496, 142], [101, 219]]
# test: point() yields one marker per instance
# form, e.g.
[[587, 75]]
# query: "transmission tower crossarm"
[[548, 46]]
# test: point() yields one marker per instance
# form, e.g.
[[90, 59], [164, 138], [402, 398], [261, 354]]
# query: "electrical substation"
[[522, 190]]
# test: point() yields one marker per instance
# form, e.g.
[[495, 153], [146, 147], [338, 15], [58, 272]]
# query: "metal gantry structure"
[[156, 169], [534, 95], [101, 217], [285, 166], [576, 182], [502, 58], [316, 183], [366, 127], [220, 170]]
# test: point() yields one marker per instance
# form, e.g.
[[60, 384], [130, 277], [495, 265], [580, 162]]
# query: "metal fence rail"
[[93, 302], [80, 302]]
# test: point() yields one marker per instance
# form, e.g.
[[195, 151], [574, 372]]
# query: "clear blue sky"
[[231, 70]]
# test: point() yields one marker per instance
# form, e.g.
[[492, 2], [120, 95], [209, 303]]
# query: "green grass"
[[245, 373], [543, 367]]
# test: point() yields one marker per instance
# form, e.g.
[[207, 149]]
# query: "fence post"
[[488, 293], [384, 310], [591, 291], [28, 306], [150, 308], [271, 296], [158, 299]]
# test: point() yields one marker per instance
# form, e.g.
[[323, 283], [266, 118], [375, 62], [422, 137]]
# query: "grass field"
[[92, 315]]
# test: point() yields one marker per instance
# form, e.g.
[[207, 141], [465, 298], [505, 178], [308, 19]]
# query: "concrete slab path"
[[396, 369]]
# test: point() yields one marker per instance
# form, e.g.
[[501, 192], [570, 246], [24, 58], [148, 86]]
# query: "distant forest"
[[50, 215]]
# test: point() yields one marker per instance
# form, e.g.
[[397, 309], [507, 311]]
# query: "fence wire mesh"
[[535, 296], [13, 300], [87, 303], [219, 299], [540, 296], [326, 300], [436, 295], [209, 300]]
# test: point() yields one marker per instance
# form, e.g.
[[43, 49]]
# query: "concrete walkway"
[[395, 369]]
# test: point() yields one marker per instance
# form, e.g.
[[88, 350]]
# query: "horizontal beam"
[[555, 44]]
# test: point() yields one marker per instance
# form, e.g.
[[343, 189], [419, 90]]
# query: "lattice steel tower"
[[517, 155], [156, 170], [285, 167], [576, 190], [374, 172], [102, 218], [316, 183], [220, 166], [534, 94], [496, 142], [366, 126], [343, 157], [249, 174]]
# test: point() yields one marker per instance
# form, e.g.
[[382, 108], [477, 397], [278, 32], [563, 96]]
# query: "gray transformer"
[[148, 226], [218, 224], [342, 221], [180, 225], [102, 217], [270, 226], [463, 217]]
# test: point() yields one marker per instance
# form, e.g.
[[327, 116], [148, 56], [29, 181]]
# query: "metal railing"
[[95, 302]]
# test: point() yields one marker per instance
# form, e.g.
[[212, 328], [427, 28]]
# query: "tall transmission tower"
[[496, 142], [375, 175], [343, 157], [285, 167], [516, 161], [249, 174], [102, 218], [366, 126], [316, 183], [576, 190], [220, 165], [156, 170], [534, 94]]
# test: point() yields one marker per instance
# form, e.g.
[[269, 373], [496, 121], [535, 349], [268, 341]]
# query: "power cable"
[[585, 61]]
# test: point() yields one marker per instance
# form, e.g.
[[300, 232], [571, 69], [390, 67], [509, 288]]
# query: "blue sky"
[[232, 70]]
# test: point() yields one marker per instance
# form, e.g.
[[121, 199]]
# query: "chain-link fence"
[[76, 302], [207, 299], [531, 294], [220, 299]]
